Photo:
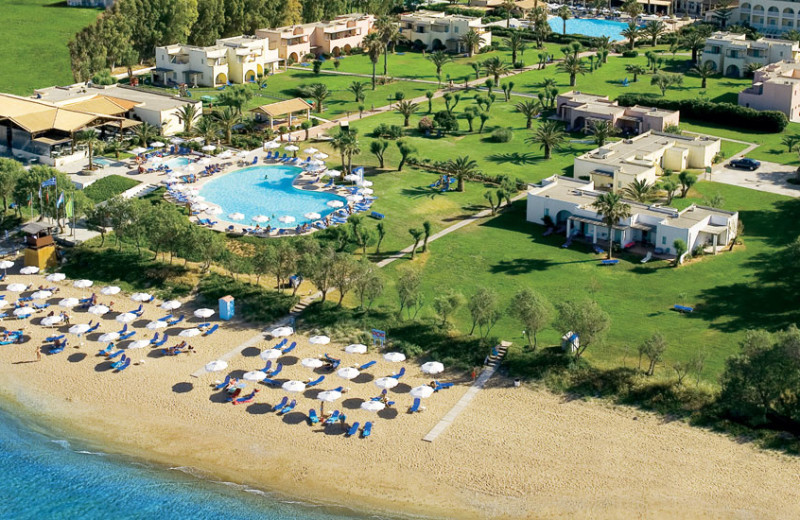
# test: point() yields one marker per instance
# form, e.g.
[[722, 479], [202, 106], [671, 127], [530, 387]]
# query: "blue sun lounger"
[[160, 342], [683, 308], [94, 328], [277, 370], [270, 382], [415, 406], [353, 429], [138, 311], [175, 321], [613, 261], [212, 330], [125, 364], [224, 383], [123, 330], [281, 343], [128, 335], [313, 418], [290, 347], [54, 338], [367, 431], [119, 363], [267, 367], [316, 381], [115, 354], [399, 374], [106, 350], [333, 418], [441, 386], [288, 408], [278, 407], [55, 350], [166, 318], [245, 399], [367, 365]]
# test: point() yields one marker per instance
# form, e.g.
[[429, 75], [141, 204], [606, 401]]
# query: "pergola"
[[288, 108]]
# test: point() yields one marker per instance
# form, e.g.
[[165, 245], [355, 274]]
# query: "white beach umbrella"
[[351, 177], [108, 336], [356, 348], [242, 154], [156, 144], [319, 340], [366, 184], [313, 216], [329, 396], [366, 191], [83, 284], [170, 305], [177, 140], [24, 311], [3, 303], [110, 290], [347, 373], [281, 331], [16, 287], [52, 320], [311, 362], [260, 218], [208, 148], [310, 150], [98, 310], [31, 269], [335, 203], [386, 382], [394, 357], [255, 375], [214, 210], [126, 317], [41, 295], [287, 219], [68, 303], [203, 313], [190, 333], [55, 277], [79, 329], [270, 354], [333, 173], [216, 366], [155, 325], [141, 297], [291, 148], [199, 207], [236, 216], [372, 406], [294, 386], [315, 162], [355, 198], [138, 150], [432, 367], [227, 154], [422, 392], [321, 156], [140, 343], [6, 264], [271, 145]]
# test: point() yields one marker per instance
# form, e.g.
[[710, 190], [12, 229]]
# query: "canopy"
[[283, 107]]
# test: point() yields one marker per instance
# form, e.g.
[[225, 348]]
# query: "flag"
[[60, 200], [69, 208], [49, 182]]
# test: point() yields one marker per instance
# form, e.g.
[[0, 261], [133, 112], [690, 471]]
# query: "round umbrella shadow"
[[140, 324], [362, 378], [219, 397], [103, 366], [311, 393], [156, 353], [288, 361], [251, 352], [77, 357], [237, 374], [294, 418], [402, 388], [259, 408], [182, 388], [388, 413], [352, 403]]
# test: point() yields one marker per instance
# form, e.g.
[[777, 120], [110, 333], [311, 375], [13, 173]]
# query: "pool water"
[[266, 190], [177, 162], [102, 161], [589, 27]]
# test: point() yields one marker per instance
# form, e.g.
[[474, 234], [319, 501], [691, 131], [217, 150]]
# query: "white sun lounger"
[[647, 257]]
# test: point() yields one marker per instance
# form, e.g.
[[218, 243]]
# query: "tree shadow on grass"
[[515, 158]]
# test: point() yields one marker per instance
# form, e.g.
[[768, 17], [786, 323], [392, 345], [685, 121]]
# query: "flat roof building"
[[775, 87], [337, 36], [731, 54], [436, 30], [578, 110]]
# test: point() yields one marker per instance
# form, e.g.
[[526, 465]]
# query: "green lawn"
[[506, 253], [35, 52], [769, 149]]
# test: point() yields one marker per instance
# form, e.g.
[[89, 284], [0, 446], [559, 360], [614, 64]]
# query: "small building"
[[643, 158], [769, 17], [436, 30], [293, 42], [775, 87], [567, 202], [732, 54], [338, 36], [578, 110], [292, 109], [40, 249]]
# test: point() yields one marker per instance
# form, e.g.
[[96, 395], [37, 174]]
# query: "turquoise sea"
[[45, 477]]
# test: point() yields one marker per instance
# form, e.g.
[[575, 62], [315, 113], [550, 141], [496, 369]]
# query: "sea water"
[[44, 477]]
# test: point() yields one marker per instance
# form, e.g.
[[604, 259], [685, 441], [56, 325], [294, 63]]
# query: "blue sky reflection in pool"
[[247, 191], [589, 27], [177, 162]]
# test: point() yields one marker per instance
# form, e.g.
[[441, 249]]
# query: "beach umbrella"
[[79, 329], [372, 406], [52, 320], [287, 219], [214, 210], [138, 150], [110, 290], [422, 392], [3, 303], [271, 354], [356, 348], [83, 284], [31, 269], [281, 331], [255, 375], [310, 150], [311, 362], [320, 156], [190, 333], [355, 198], [366, 184], [291, 148], [208, 148], [141, 297], [16, 287], [351, 177], [242, 154], [313, 216], [140, 343], [386, 382], [329, 396], [333, 173], [335, 203], [394, 357], [315, 162], [236, 216], [319, 340], [199, 207], [227, 154], [108, 336], [55, 277], [98, 310], [158, 324], [6, 264], [294, 386], [260, 218], [126, 317], [348, 373], [68, 303], [271, 145], [24, 311], [170, 305], [41, 295], [156, 144], [366, 191], [203, 313], [432, 367], [216, 366], [177, 140]]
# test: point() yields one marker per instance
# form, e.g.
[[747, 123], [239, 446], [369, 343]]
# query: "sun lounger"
[[415, 406], [124, 365], [106, 350], [313, 418], [270, 382], [54, 338], [93, 328], [367, 430], [333, 418], [376, 215], [613, 261], [599, 250], [41, 306], [119, 363], [281, 343], [278, 407], [246, 399], [269, 156], [290, 347], [399, 374], [629, 245], [441, 386], [338, 389], [123, 330], [683, 308], [316, 381], [211, 330], [56, 349], [138, 311], [288, 408], [224, 383], [353, 429], [647, 257], [166, 318], [367, 365], [231, 396], [128, 335], [275, 372], [115, 354], [160, 342], [267, 367], [175, 321]]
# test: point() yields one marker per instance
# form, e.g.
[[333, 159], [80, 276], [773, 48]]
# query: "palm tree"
[[357, 88], [90, 139], [186, 115], [416, 234], [530, 109], [573, 66], [406, 108], [461, 168], [115, 147], [631, 33], [565, 14], [496, 67], [374, 46], [705, 71], [509, 6], [439, 59], [693, 41], [640, 191], [471, 40], [516, 45], [635, 70], [227, 118], [654, 30], [389, 35], [318, 92], [604, 46], [207, 127], [145, 134], [612, 208], [548, 135], [632, 8], [602, 130]]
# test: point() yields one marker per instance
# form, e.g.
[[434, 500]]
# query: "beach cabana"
[[288, 110]]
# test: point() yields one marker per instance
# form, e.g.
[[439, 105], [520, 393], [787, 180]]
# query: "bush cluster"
[[502, 135]]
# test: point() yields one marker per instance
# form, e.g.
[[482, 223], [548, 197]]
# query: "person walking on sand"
[[38, 354]]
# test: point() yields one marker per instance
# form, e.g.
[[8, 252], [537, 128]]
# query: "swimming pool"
[[266, 190], [102, 161], [589, 27], [177, 162]]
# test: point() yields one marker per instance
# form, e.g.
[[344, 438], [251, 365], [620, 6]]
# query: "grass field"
[[35, 52]]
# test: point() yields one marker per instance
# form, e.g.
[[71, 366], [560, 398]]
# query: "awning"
[[161, 69], [714, 230], [283, 107], [51, 142], [595, 222], [126, 123], [642, 226]]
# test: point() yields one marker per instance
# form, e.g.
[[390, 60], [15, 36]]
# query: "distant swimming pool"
[[266, 190], [589, 27], [177, 162], [102, 161]]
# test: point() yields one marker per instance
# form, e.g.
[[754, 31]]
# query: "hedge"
[[726, 114], [107, 187]]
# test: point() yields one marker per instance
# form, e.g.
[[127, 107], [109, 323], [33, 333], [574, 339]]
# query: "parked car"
[[745, 164]]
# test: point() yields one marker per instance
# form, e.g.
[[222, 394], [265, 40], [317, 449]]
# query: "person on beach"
[[38, 354]]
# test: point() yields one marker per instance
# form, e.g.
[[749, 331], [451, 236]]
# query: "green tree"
[[669, 185], [406, 109], [389, 34], [636, 70], [145, 133], [439, 60], [548, 135], [533, 312], [631, 32], [208, 129], [602, 131], [91, 140], [664, 80], [654, 30], [680, 248], [462, 168], [586, 319], [446, 304], [416, 234], [11, 171], [373, 45], [565, 13], [409, 289], [573, 66], [381, 230], [227, 118], [343, 274], [318, 92], [687, 180], [187, 115], [516, 44], [639, 190], [429, 95], [705, 71], [406, 150], [426, 229], [693, 41], [530, 109], [471, 40], [496, 67], [378, 148], [611, 208], [358, 90], [632, 8], [654, 348], [484, 310]]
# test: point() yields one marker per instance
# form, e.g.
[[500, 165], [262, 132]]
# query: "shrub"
[[519, 64], [388, 131], [502, 135], [630, 54], [425, 124], [246, 142], [446, 121], [107, 187], [104, 77]]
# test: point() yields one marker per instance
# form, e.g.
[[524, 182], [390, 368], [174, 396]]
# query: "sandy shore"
[[514, 453]]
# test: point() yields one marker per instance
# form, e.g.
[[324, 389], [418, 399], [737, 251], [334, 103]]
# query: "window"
[[663, 240], [455, 29], [546, 212]]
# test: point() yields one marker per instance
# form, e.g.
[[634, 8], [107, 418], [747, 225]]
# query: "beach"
[[513, 453]]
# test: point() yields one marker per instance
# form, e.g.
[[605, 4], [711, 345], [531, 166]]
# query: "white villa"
[[436, 30], [775, 87], [770, 17], [335, 37], [731, 54], [568, 203], [239, 59], [643, 158], [579, 109]]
